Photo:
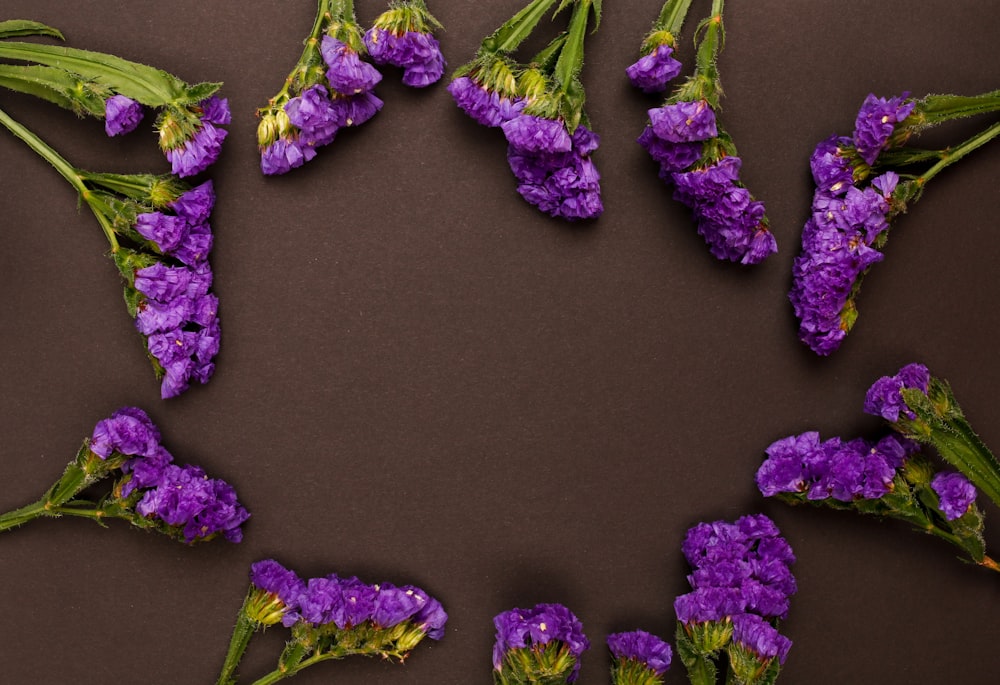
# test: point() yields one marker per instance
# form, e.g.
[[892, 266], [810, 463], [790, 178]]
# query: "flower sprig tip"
[[684, 137], [539, 107], [190, 119], [331, 617], [149, 491], [863, 183]]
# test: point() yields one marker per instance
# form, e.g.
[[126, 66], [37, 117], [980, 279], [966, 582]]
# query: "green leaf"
[[23, 27], [570, 60], [58, 86], [513, 32], [147, 85], [198, 92]]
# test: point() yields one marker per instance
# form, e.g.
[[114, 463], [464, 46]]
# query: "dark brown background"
[[424, 380]]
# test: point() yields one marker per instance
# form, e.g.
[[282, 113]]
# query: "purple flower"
[[358, 603], [643, 647], [347, 73], [416, 52], [192, 155], [831, 168], [670, 156], [528, 134], [431, 619], [316, 116], [684, 122], [876, 122], [164, 230], [195, 205], [955, 493], [884, 398], [709, 604], [357, 109], [270, 576], [128, 431], [283, 155], [196, 506], [837, 249], [652, 72], [487, 107], [121, 115], [393, 605], [760, 637], [519, 629], [146, 471]]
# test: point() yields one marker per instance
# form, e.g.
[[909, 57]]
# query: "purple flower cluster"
[[319, 112], [544, 624], [348, 602], [418, 53], [761, 638], [842, 470], [730, 220], [838, 245], [192, 154], [955, 493], [876, 122], [553, 168], [488, 107], [644, 648], [177, 314], [192, 505], [121, 115], [841, 238], [652, 72], [739, 568], [884, 398]]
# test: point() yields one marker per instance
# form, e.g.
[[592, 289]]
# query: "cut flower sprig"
[[539, 106], [695, 154], [105, 86], [332, 85], [891, 477], [863, 183], [159, 237], [150, 491], [330, 617]]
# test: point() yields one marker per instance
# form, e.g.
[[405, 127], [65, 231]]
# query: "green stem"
[[17, 517], [334, 653], [702, 672], [672, 16], [244, 630], [935, 109], [950, 157], [971, 458], [570, 60], [517, 28], [65, 169]]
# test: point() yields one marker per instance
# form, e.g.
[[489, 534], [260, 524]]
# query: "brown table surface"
[[424, 380]]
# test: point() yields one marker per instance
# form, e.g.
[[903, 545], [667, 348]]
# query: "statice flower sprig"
[[332, 85], [741, 587], [538, 646], [149, 490], [330, 617], [638, 658], [863, 183], [539, 107], [695, 154], [190, 118], [159, 236], [891, 477]]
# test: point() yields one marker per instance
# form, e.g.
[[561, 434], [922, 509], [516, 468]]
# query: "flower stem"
[[951, 156], [672, 16], [245, 627], [65, 169], [935, 109], [513, 32], [17, 517]]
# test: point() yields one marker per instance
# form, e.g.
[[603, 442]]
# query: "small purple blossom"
[[487, 107], [346, 72], [121, 115], [519, 629], [128, 431], [642, 647], [760, 637], [193, 155], [876, 122], [652, 72], [316, 117], [884, 398], [684, 121], [416, 52], [270, 576], [283, 155], [955, 493]]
